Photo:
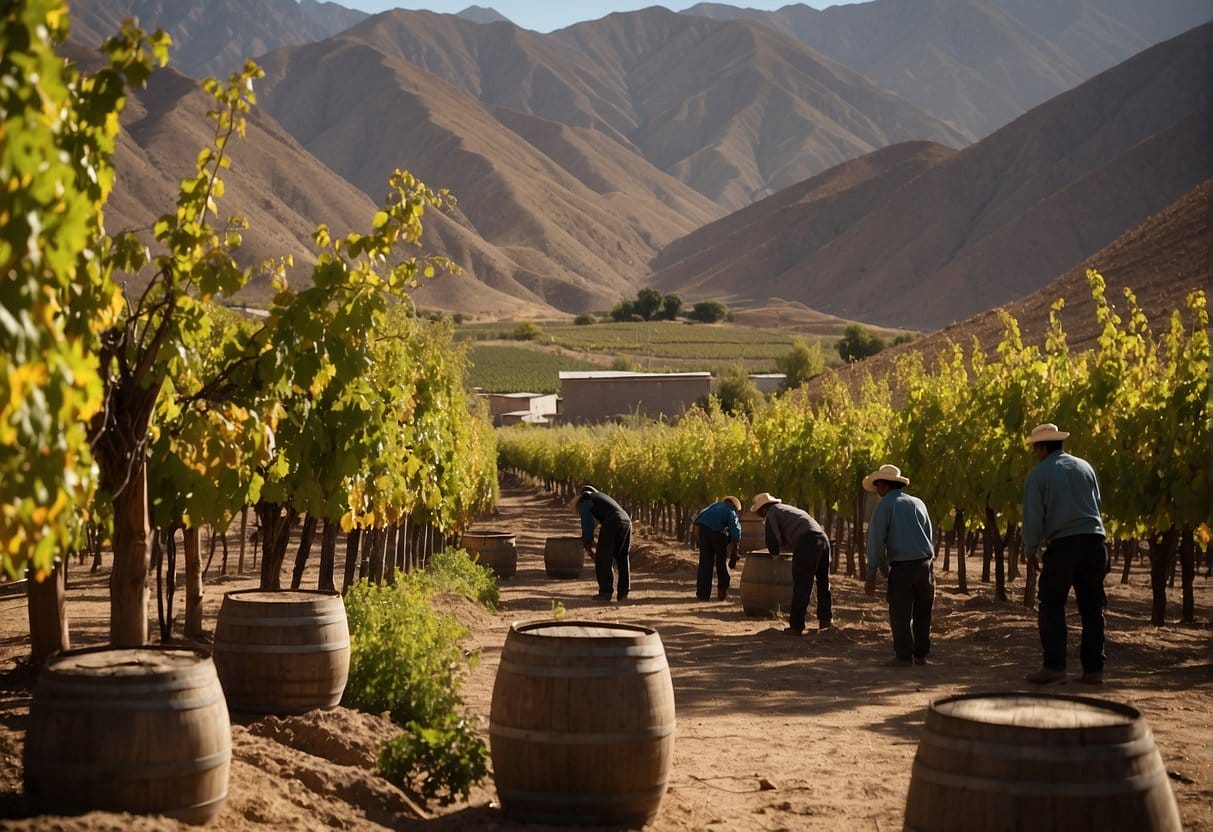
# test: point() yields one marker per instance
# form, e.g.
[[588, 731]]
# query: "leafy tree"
[[585, 319], [526, 331], [671, 305], [709, 312], [648, 303], [736, 392], [857, 343], [56, 142], [623, 311], [801, 363], [904, 338]]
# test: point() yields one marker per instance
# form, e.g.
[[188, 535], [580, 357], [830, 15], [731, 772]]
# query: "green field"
[[505, 368], [654, 346]]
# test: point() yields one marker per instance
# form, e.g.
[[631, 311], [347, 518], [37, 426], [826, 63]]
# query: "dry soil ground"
[[774, 732]]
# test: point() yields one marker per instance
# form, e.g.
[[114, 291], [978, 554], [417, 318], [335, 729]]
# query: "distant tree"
[[736, 392], [709, 312], [585, 319], [671, 305], [904, 338], [526, 331], [801, 363], [623, 311], [857, 343], [648, 303]]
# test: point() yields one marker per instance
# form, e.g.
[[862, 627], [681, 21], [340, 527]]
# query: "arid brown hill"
[[986, 225], [214, 37], [977, 64], [282, 190], [735, 110], [575, 217], [1161, 262]]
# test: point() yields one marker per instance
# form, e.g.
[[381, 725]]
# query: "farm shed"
[[520, 407], [602, 396]]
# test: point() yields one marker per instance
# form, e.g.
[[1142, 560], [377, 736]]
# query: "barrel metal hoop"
[[643, 668], [1042, 788], [1043, 753], [281, 649], [129, 771], [582, 737], [533, 647], [279, 623], [614, 799], [103, 704]]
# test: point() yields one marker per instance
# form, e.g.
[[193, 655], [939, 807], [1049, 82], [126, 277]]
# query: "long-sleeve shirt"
[[1060, 499], [900, 530], [785, 525], [721, 518], [600, 507]]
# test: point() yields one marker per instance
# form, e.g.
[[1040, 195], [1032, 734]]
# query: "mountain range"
[[712, 156]]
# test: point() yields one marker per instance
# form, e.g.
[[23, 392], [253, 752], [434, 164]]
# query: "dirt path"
[[774, 732]]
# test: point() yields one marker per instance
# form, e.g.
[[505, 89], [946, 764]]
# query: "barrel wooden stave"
[[753, 533], [563, 557], [141, 730], [282, 652], [1019, 761], [493, 548], [582, 723], [766, 583]]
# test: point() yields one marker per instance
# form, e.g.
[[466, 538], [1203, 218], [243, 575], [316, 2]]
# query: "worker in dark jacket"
[[791, 529], [719, 532], [614, 540]]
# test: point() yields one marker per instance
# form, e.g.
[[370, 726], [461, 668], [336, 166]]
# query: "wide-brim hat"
[[762, 501], [1047, 432], [734, 502], [888, 473]]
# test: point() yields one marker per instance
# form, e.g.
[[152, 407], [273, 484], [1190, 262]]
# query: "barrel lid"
[[581, 629], [279, 596], [1028, 710], [114, 662]]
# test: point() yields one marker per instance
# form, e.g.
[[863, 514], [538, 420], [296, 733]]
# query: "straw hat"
[[1047, 432], [761, 501], [889, 473], [734, 502]]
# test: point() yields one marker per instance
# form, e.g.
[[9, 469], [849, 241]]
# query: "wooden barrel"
[[766, 583], [1000, 761], [282, 652], [493, 548], [563, 557], [581, 726], [142, 730], [753, 533]]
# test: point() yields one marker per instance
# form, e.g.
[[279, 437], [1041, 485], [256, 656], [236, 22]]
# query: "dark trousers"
[[614, 541], [911, 597], [1080, 561], [713, 556], [810, 559]]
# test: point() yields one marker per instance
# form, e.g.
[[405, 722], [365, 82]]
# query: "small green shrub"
[[406, 661], [526, 331], [453, 570], [584, 319]]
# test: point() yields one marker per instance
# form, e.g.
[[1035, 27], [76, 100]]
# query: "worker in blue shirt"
[[719, 531], [899, 540], [614, 540], [1061, 513]]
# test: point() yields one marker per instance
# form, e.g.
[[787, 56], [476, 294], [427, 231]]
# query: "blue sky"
[[546, 15]]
